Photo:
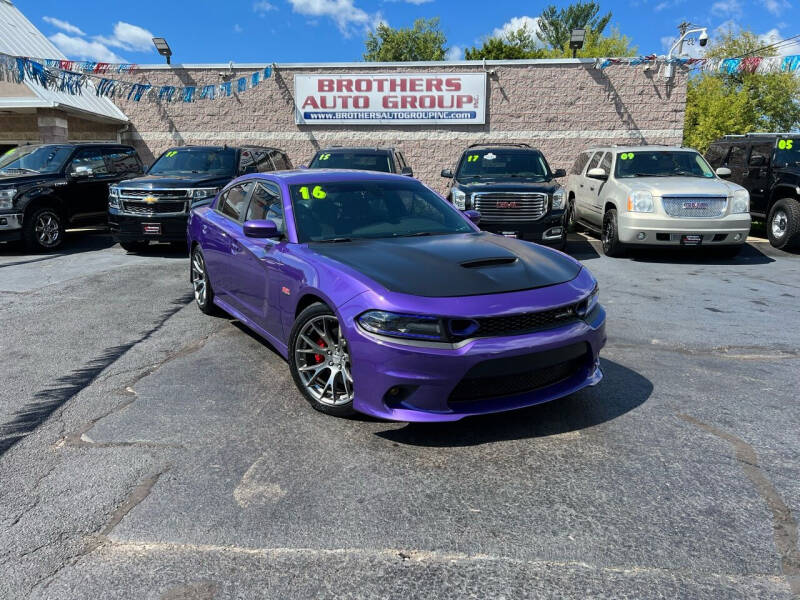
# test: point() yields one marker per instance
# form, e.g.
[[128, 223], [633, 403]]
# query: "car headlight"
[[558, 199], [741, 202], [7, 197], [113, 197], [416, 327], [586, 306], [200, 193], [459, 199], [640, 201]]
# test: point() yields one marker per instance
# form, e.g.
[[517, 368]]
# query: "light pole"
[[576, 40], [163, 48], [669, 69]]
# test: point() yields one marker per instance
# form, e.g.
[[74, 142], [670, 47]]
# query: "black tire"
[[201, 284], [570, 224], [130, 246], [610, 237], [783, 224], [43, 229], [298, 360]]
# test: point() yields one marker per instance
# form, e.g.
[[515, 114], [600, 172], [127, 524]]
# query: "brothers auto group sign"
[[391, 99]]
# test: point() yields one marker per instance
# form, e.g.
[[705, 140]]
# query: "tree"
[[720, 103], [423, 41], [598, 45], [556, 25], [516, 45]]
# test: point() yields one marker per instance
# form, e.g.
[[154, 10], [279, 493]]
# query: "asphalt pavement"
[[150, 451]]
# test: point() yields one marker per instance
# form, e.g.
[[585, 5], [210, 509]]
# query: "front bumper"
[[418, 383], [668, 231], [547, 230], [10, 227], [129, 228]]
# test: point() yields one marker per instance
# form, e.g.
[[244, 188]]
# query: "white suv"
[[659, 196]]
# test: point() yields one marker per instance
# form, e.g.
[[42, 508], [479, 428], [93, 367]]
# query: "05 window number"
[[785, 144], [317, 193]]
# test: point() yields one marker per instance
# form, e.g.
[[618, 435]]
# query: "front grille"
[[695, 206], [165, 193], [157, 208], [525, 322], [508, 207], [471, 389]]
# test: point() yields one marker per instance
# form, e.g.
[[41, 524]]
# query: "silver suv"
[[656, 196]]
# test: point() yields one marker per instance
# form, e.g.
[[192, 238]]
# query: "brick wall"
[[560, 107]]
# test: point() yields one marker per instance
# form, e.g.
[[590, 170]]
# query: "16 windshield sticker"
[[317, 193]]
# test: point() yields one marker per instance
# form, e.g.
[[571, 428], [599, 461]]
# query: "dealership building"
[[430, 110]]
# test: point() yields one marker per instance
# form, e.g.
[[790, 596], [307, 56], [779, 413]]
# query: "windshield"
[[660, 163], [220, 162], [341, 211], [787, 152], [363, 161], [34, 159], [503, 163]]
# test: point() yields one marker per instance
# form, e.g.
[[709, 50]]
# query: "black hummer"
[[768, 165], [46, 188], [155, 207], [385, 160], [513, 188]]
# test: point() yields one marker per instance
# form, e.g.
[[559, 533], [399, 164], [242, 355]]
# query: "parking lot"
[[150, 451]]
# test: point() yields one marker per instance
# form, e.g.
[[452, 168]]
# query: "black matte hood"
[[188, 180], [513, 184], [468, 264]]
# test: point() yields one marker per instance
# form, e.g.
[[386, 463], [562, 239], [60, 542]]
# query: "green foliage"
[[719, 103], [423, 41], [598, 45], [556, 25], [516, 45]]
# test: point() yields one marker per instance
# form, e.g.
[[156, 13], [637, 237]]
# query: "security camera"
[[703, 38]]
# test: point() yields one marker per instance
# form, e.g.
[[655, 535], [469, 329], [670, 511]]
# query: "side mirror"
[[447, 173], [407, 171], [82, 172], [261, 229], [473, 215], [758, 161], [723, 172], [597, 173], [558, 173]]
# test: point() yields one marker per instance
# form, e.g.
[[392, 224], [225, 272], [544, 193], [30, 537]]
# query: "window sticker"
[[489, 156], [325, 156], [785, 144], [473, 158], [626, 156], [171, 153], [317, 193]]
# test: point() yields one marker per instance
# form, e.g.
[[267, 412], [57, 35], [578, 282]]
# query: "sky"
[[265, 31]]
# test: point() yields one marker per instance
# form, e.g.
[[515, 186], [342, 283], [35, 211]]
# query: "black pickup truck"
[[155, 207], [768, 166], [47, 188], [514, 190]]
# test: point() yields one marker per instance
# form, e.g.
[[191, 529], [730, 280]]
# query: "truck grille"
[[695, 206], [504, 207], [157, 208], [166, 193]]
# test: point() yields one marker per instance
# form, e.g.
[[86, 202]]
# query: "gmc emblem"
[[507, 204]]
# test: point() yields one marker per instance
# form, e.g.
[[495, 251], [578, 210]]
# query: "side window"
[[286, 160], [91, 158], [266, 203], [122, 161], [595, 161], [716, 155], [737, 156], [233, 202], [580, 162], [606, 163], [761, 153], [277, 160]]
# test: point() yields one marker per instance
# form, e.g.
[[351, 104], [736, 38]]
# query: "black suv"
[[385, 160], [155, 207], [768, 165], [513, 188], [46, 188]]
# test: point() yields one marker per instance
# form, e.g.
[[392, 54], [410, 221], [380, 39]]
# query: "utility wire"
[[774, 45]]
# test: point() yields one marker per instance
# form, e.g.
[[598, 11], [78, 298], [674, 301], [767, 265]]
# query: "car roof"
[[295, 176], [503, 147], [202, 147], [638, 148], [375, 149]]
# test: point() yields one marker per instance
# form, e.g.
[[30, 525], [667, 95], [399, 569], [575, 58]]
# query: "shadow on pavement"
[[749, 255], [581, 248], [75, 242], [621, 391]]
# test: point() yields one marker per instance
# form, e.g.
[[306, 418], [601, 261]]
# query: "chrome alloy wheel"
[[323, 361], [199, 278], [47, 228], [779, 224]]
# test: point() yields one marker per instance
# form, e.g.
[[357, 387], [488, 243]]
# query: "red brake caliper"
[[318, 357]]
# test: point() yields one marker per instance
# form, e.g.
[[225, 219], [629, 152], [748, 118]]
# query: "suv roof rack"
[[513, 144], [738, 136]]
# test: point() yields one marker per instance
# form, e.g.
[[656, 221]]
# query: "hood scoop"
[[489, 262]]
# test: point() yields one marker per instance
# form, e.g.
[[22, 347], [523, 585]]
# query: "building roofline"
[[374, 65]]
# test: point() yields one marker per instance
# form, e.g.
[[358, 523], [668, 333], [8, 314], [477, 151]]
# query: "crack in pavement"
[[754, 353], [784, 526]]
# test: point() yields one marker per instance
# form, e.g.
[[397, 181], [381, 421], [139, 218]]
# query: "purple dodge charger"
[[387, 300]]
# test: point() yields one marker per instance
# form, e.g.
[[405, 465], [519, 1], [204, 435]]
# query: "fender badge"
[[286, 291], [150, 199]]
